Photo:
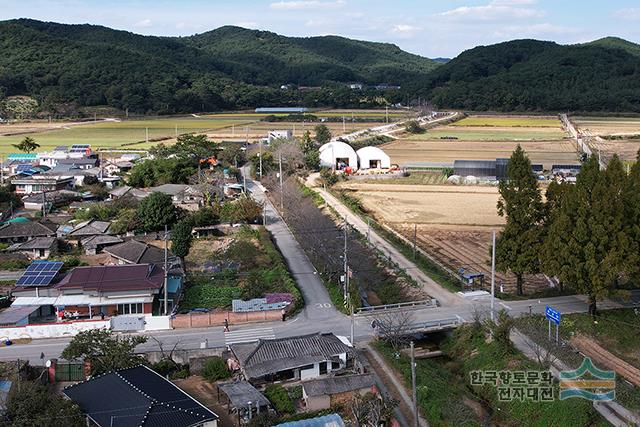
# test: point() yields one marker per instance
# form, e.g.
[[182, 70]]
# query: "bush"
[[280, 399], [328, 177], [414, 127], [215, 369]]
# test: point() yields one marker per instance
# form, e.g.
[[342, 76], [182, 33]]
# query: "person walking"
[[226, 325], [284, 314]]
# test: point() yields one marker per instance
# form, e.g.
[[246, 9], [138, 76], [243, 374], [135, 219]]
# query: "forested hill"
[[231, 67], [530, 75]]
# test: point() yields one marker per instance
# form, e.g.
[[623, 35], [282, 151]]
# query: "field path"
[[430, 286]]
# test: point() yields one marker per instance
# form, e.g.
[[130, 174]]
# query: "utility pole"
[[493, 273], [344, 125], [146, 138], [260, 156], [352, 323], [176, 131], [44, 203], [166, 274], [346, 265], [264, 213], [415, 239], [2, 169], [386, 112], [413, 385], [281, 186]]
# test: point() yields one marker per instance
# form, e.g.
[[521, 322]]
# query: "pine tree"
[[27, 145], [519, 244]]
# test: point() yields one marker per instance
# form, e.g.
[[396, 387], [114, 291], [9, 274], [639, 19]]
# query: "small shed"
[[243, 399], [338, 155], [373, 158], [325, 393]]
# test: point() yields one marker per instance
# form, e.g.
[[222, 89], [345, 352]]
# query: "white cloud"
[[628, 14], [306, 4], [405, 29], [145, 23], [495, 10]]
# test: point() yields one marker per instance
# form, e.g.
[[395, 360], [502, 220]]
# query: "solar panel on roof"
[[40, 273]]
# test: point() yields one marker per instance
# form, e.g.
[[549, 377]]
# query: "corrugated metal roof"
[[241, 392], [335, 385], [14, 314]]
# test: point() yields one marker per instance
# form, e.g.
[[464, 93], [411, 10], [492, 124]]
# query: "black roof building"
[[138, 397]]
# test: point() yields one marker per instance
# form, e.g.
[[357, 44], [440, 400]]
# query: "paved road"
[[10, 274]]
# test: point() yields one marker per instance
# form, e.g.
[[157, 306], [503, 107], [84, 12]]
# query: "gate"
[[127, 323], [70, 371]]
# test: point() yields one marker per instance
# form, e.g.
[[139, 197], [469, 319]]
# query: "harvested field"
[[485, 138], [433, 204], [256, 130], [412, 152], [608, 125], [454, 224], [626, 149]]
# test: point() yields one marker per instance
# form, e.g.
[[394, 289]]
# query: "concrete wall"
[[195, 358], [310, 373], [53, 330], [157, 323], [203, 320]]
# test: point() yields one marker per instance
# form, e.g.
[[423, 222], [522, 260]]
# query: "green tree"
[[215, 369], [157, 210], [552, 254], [105, 350], [27, 145], [589, 233], [518, 246], [414, 127], [181, 238], [323, 134], [34, 405], [632, 214]]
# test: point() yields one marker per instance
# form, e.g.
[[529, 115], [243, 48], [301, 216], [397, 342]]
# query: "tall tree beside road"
[[27, 145], [323, 134], [554, 250], [156, 211], [588, 233], [106, 350], [181, 238], [518, 247], [632, 215], [30, 404]]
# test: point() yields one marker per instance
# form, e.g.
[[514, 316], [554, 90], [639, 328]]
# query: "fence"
[[411, 305], [203, 320]]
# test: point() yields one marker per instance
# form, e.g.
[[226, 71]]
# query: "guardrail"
[[411, 305], [435, 324]]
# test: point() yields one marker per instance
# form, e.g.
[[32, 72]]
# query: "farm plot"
[[454, 223], [485, 138], [123, 134], [603, 126], [626, 149], [256, 130]]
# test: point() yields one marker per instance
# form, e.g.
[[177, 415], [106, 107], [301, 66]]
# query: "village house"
[[324, 393], [22, 231], [183, 196], [296, 358], [150, 400], [41, 182], [36, 248]]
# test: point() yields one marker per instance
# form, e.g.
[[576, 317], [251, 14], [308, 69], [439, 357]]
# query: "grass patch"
[[444, 383], [436, 177], [512, 121]]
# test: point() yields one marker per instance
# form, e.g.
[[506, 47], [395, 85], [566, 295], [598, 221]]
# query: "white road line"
[[247, 340], [234, 337]]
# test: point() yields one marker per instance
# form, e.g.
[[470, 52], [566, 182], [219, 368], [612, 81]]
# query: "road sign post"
[[553, 316]]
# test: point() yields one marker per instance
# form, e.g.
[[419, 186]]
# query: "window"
[[335, 365], [323, 368], [130, 308]]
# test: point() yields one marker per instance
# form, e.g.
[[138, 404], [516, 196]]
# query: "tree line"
[[587, 234]]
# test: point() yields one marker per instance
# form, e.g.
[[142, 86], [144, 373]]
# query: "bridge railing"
[[411, 305], [434, 324]]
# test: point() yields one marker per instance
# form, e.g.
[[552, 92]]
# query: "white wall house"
[[279, 134], [338, 155], [373, 158]]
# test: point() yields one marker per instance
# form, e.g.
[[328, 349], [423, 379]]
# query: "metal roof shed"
[[480, 168]]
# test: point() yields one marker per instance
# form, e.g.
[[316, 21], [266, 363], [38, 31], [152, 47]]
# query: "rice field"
[[117, 134], [603, 126], [509, 121]]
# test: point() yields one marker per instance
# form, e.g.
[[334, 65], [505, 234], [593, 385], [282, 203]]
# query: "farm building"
[[479, 168], [274, 110], [279, 134], [373, 158], [338, 155]]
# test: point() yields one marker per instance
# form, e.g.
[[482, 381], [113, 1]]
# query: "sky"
[[431, 28]]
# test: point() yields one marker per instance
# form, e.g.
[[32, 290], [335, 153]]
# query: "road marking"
[[250, 335], [504, 305]]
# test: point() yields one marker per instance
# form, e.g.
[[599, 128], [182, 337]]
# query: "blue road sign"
[[553, 315]]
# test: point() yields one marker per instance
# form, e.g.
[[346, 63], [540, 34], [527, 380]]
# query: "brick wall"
[[203, 320]]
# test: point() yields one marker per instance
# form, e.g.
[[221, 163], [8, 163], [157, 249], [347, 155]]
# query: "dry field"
[[411, 152], [626, 149], [454, 223], [256, 130], [608, 125], [485, 138]]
